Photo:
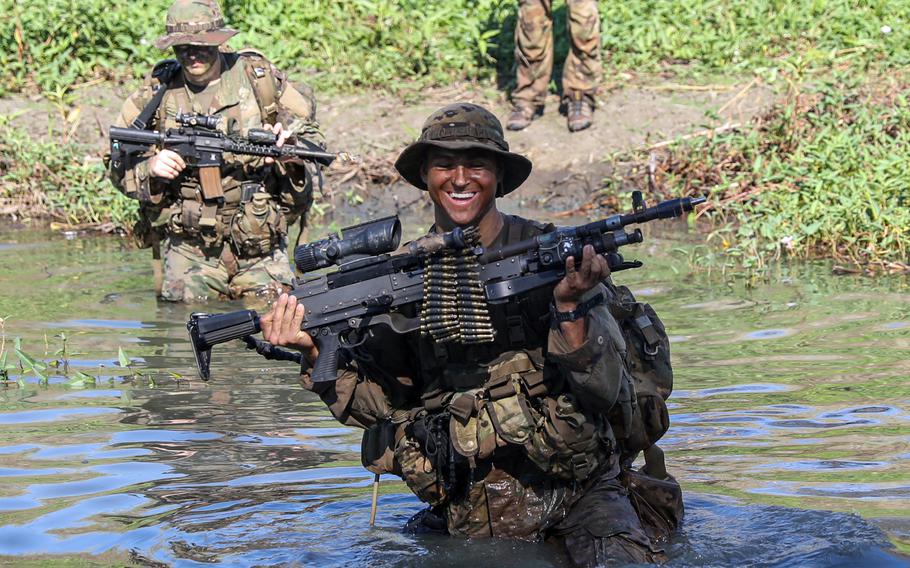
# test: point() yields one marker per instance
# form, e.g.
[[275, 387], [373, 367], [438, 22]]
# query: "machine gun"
[[202, 146], [380, 278]]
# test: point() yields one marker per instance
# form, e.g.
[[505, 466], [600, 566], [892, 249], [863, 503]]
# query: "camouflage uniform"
[[240, 247], [511, 438], [534, 52]]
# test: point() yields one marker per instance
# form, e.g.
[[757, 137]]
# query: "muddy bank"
[[568, 167]]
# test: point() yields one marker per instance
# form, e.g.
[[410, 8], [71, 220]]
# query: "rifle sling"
[[142, 121]]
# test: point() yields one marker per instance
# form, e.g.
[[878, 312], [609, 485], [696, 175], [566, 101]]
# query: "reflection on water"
[[791, 429]]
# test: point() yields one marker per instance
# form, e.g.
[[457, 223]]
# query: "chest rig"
[[205, 209], [495, 397]]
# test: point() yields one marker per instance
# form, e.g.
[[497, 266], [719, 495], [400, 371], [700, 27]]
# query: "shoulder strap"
[[164, 72], [263, 81]]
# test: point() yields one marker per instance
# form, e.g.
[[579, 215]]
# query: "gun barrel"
[[135, 136]]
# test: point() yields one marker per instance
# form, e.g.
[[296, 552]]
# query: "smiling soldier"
[[513, 437]]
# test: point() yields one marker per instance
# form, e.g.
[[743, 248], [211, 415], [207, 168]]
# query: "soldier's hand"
[[166, 164], [281, 327], [578, 280], [283, 136]]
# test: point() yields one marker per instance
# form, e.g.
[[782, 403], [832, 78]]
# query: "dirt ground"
[[568, 167]]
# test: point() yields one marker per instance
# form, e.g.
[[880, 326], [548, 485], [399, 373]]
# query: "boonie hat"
[[194, 22]]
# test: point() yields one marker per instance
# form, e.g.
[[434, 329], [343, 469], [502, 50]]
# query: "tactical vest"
[[253, 230]]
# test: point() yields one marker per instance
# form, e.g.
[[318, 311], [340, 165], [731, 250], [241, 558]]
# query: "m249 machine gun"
[[375, 279]]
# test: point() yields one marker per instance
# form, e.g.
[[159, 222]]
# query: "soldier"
[[234, 246], [514, 437], [534, 59]]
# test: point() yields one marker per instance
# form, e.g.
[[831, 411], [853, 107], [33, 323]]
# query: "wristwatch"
[[580, 310]]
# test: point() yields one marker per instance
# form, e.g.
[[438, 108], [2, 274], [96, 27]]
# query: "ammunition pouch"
[[258, 226], [640, 418], [514, 408], [658, 502], [196, 220]]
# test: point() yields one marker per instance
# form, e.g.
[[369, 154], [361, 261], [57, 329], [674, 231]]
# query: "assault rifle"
[[342, 305], [202, 145]]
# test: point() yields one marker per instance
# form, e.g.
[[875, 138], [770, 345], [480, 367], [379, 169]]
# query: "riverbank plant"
[[64, 181], [822, 174], [386, 44]]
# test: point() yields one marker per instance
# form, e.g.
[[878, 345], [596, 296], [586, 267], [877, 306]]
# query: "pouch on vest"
[[568, 444], [377, 448], [194, 219], [418, 473], [258, 227], [658, 502]]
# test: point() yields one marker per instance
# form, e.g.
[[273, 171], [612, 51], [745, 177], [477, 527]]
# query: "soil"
[[568, 167]]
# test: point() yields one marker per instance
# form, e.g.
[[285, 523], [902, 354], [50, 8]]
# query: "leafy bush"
[[823, 174], [40, 179], [350, 44]]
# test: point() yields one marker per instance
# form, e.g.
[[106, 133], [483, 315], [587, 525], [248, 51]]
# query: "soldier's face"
[[462, 184], [196, 60]]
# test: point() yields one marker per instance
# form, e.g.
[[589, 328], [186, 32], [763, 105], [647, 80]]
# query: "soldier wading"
[[530, 435], [234, 245]]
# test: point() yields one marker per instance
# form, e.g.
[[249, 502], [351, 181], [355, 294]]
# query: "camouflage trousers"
[[582, 72], [612, 519], [191, 275]]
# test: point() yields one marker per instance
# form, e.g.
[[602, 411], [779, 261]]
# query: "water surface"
[[790, 435]]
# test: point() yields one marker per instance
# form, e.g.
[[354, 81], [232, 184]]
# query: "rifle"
[[377, 280], [202, 146]]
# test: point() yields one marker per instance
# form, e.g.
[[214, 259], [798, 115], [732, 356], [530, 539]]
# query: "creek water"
[[790, 427]]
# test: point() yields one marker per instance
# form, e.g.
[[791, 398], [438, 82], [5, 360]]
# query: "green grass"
[[58, 180], [355, 44], [823, 174]]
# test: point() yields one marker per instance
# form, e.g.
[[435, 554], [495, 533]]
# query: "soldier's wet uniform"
[[239, 246], [514, 437]]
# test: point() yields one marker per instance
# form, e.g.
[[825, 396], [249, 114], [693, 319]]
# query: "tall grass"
[[352, 44], [57, 180], [822, 174]]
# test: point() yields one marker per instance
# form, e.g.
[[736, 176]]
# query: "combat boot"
[[522, 115], [579, 113]]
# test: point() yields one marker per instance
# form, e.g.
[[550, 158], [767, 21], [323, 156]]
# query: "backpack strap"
[[164, 72], [267, 87]]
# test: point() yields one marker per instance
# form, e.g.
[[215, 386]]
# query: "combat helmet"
[[463, 126], [194, 22]]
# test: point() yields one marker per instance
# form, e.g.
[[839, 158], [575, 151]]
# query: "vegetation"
[[59, 180], [382, 43], [821, 174]]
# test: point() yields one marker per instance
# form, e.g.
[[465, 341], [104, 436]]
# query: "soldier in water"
[[235, 245], [532, 434]]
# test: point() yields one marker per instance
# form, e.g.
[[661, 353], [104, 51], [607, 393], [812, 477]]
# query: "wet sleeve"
[[130, 173], [595, 371], [354, 400]]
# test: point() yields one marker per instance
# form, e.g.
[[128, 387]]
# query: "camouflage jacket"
[[236, 100], [518, 465]]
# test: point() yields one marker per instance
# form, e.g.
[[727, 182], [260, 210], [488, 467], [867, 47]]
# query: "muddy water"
[[791, 428]]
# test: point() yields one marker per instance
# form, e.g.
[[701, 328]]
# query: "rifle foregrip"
[[326, 367]]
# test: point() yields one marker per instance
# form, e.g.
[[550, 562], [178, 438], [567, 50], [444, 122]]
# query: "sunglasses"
[[197, 51]]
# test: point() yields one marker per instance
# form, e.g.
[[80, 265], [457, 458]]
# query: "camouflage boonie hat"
[[463, 126], [194, 22]]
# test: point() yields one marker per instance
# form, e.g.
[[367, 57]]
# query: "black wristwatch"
[[579, 312]]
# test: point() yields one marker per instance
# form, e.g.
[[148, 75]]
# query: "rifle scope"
[[370, 238]]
